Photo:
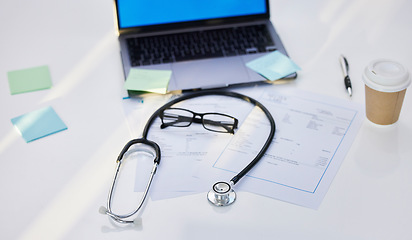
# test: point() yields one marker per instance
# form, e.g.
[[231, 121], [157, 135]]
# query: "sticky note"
[[30, 79], [273, 66], [148, 80], [38, 124]]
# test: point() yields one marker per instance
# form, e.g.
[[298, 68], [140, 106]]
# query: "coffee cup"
[[386, 82]]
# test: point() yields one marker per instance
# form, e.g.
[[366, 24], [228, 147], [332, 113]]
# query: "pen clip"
[[345, 65]]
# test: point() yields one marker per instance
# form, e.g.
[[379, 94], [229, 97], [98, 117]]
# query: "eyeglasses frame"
[[200, 120]]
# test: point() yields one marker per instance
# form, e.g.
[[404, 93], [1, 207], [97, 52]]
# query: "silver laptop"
[[206, 44]]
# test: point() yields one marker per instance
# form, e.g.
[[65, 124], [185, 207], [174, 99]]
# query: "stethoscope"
[[221, 194]]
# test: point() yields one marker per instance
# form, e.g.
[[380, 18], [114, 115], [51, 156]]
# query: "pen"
[[345, 69]]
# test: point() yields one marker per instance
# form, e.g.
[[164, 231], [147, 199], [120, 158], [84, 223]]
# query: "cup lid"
[[386, 76]]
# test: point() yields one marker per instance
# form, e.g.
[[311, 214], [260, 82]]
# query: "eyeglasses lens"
[[177, 117], [218, 123]]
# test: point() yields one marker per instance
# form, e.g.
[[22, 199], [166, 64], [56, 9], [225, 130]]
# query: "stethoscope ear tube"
[[156, 161]]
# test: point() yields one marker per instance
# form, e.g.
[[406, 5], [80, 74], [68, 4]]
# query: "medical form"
[[313, 135]]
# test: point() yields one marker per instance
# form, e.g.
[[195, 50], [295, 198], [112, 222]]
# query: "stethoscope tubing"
[[245, 170], [144, 140]]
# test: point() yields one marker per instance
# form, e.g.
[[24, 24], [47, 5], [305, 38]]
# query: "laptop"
[[206, 44]]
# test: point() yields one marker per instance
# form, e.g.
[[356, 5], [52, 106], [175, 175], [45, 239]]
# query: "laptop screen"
[[141, 13]]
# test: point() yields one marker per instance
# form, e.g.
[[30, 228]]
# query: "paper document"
[[313, 135], [312, 138], [184, 149]]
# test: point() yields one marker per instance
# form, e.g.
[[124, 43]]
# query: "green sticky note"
[[30, 79], [38, 124], [148, 80]]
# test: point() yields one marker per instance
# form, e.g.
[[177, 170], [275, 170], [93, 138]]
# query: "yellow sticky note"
[[148, 80]]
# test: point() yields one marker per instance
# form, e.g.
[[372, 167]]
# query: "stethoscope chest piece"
[[221, 194]]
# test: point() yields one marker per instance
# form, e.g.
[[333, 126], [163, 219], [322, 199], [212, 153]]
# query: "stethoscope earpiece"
[[221, 194]]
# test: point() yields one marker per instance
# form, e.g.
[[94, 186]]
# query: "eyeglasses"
[[216, 122]]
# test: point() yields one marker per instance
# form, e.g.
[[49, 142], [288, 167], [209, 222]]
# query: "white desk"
[[52, 188]]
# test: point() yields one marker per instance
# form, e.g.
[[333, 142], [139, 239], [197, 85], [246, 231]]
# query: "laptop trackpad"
[[209, 73]]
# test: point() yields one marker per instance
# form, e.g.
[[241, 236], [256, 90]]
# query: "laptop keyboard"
[[199, 45]]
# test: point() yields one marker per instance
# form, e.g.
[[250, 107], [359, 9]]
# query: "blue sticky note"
[[38, 124], [273, 66]]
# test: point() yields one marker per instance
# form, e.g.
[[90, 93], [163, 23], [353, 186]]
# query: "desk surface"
[[52, 188]]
